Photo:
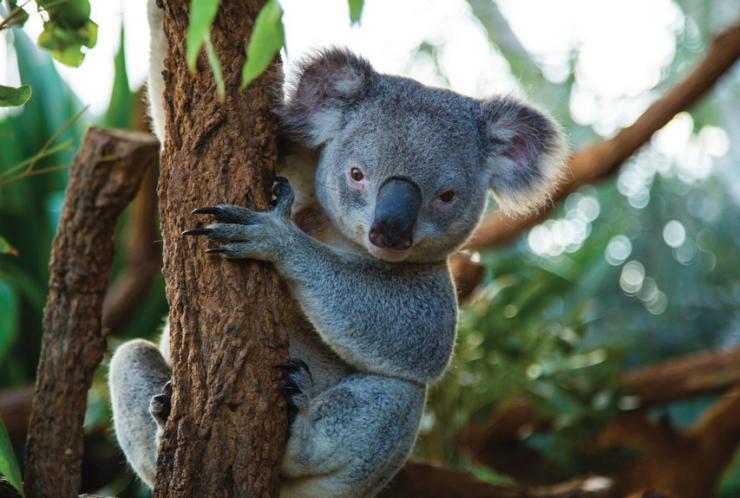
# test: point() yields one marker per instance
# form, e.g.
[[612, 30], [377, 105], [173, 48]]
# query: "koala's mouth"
[[388, 254]]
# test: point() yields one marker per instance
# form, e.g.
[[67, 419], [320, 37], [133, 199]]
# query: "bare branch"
[[104, 178], [604, 158]]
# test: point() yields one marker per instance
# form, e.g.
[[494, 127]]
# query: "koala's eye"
[[356, 174], [447, 197]]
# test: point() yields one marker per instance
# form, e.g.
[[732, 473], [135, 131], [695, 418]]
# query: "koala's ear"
[[524, 153], [326, 87]]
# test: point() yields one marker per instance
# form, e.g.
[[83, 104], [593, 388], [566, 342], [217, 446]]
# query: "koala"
[[383, 179]]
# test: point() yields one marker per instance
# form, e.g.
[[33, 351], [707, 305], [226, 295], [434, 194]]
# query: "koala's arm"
[[390, 319], [397, 319]]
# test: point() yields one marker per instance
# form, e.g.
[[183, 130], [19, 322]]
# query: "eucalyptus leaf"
[[10, 96], [202, 13], [6, 248], [355, 10], [216, 68], [68, 13], [266, 41], [65, 43], [8, 462]]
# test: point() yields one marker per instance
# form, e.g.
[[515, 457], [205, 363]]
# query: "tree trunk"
[[227, 429], [104, 178]]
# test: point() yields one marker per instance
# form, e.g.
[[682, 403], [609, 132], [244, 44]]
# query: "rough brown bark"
[[604, 158], [104, 178], [228, 424]]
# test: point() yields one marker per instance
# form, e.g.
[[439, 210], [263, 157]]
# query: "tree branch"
[[424, 480], [684, 377], [104, 178], [604, 158]]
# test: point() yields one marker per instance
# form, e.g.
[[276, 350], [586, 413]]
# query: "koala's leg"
[[138, 373], [351, 439]]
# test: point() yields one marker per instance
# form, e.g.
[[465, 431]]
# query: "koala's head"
[[405, 169]]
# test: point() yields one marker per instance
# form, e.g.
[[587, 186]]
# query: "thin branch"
[[604, 158], [73, 344], [684, 377], [425, 480]]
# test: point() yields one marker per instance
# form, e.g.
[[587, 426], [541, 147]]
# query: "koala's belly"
[[327, 368]]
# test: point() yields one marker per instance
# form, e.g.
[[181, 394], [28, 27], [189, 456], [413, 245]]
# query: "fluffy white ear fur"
[[320, 89], [526, 154]]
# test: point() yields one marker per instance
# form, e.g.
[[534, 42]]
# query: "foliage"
[[10, 96], [518, 340], [267, 39], [8, 463], [67, 28], [202, 13]]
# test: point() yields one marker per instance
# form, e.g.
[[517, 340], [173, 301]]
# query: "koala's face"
[[405, 169]]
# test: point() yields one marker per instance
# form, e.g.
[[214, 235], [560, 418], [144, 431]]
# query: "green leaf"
[[267, 39], [202, 13], [120, 112], [68, 13], [65, 43], [10, 96], [355, 10], [216, 68], [6, 248], [8, 462]]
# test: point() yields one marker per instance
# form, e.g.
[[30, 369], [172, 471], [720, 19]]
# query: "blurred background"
[[601, 341]]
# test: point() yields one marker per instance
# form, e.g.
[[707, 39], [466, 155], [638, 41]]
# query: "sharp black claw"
[[289, 388], [197, 231], [293, 365], [288, 366], [206, 210], [216, 250]]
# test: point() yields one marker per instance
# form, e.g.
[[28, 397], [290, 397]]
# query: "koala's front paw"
[[297, 386], [250, 234], [161, 405]]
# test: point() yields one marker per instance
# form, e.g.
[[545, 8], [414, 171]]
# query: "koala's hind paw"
[[284, 197], [161, 404], [297, 386]]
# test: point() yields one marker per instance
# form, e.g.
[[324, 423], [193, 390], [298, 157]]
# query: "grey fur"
[[377, 325]]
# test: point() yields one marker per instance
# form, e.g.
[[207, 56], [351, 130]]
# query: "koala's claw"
[[294, 365], [197, 231], [161, 404], [214, 210], [227, 213], [296, 388]]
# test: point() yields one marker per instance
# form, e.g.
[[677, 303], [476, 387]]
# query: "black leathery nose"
[[396, 211]]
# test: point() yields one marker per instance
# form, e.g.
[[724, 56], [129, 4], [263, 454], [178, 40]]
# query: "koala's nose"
[[396, 210]]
